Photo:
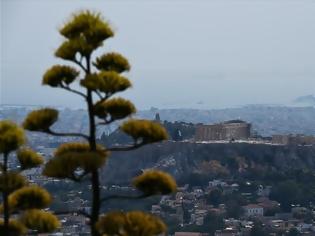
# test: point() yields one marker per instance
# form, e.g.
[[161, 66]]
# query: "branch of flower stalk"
[[99, 95], [124, 197], [48, 131], [66, 87], [126, 148], [81, 65], [103, 99]]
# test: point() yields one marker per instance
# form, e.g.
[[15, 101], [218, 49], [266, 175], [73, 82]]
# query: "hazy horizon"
[[184, 54]]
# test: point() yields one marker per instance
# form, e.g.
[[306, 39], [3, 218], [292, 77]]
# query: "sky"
[[184, 54]]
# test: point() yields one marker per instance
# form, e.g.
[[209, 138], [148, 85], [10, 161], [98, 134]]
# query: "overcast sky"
[[200, 54]]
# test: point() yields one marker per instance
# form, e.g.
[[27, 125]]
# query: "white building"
[[263, 191], [216, 183], [253, 210]]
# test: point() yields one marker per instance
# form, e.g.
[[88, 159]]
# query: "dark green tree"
[[213, 222], [293, 232], [100, 79], [287, 192], [258, 230], [18, 196], [215, 197], [233, 208]]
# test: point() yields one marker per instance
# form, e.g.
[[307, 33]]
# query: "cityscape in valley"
[[232, 180]]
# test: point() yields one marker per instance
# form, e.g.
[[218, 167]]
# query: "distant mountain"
[[308, 100], [266, 120]]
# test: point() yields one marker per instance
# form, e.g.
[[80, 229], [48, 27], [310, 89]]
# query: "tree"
[[213, 222], [17, 195], [287, 192], [233, 209], [215, 197], [293, 232], [102, 79], [214, 169], [258, 230]]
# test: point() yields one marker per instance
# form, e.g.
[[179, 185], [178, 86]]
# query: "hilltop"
[[266, 120]]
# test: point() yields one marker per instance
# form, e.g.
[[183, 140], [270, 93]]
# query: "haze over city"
[[192, 54]]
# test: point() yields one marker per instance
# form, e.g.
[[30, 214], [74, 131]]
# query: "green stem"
[[92, 137], [123, 197], [6, 211], [96, 203]]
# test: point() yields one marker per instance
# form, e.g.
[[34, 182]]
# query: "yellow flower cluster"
[[116, 108], [147, 131], [79, 148], [135, 223], [11, 136], [39, 220], [29, 197], [108, 82], [40, 120], [88, 23], [16, 228], [85, 32], [29, 159], [153, 182], [11, 181], [112, 62], [73, 157], [57, 74]]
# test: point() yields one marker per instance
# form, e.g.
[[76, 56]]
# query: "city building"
[[289, 139], [229, 130], [253, 210]]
